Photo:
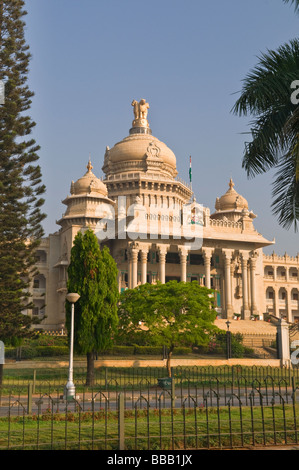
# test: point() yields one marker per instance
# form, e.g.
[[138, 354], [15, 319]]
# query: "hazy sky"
[[91, 58]]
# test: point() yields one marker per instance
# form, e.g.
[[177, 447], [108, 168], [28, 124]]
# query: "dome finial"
[[89, 165], [231, 184]]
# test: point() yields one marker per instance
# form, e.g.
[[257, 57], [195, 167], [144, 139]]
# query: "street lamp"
[[228, 341], [69, 390]]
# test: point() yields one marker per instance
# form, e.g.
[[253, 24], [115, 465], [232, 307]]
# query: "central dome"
[[142, 147], [140, 151]]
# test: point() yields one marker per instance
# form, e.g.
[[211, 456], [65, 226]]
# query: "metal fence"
[[217, 413], [122, 376]]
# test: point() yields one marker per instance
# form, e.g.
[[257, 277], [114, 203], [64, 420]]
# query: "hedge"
[[34, 351], [29, 352]]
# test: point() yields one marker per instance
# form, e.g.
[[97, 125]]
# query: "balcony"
[[39, 292], [61, 286]]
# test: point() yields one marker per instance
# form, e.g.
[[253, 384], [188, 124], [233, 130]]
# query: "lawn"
[[165, 429]]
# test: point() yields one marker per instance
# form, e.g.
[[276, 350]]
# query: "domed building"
[[158, 232]]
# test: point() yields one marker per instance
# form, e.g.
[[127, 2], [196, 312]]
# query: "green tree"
[[20, 178], [92, 274], [170, 315], [266, 95]]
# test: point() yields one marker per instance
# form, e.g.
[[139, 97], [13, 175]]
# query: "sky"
[[91, 58]]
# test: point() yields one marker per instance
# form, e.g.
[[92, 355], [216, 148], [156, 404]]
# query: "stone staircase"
[[258, 335], [248, 327]]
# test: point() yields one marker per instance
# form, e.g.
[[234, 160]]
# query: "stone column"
[[133, 250], [289, 305], [162, 249], [253, 258], [276, 301], [244, 260], [223, 300], [249, 286], [228, 301], [129, 269], [207, 254], [144, 252], [283, 340], [134, 253], [119, 281], [183, 258], [232, 287]]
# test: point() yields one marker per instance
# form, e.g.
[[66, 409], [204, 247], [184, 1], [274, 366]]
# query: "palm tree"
[[266, 96], [293, 2]]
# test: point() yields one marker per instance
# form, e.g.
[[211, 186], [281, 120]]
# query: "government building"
[[156, 231]]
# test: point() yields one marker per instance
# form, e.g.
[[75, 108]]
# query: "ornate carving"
[[152, 150]]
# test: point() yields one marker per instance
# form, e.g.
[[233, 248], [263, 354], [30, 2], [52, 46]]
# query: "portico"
[[231, 273]]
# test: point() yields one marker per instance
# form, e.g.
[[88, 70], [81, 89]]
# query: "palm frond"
[[268, 84], [266, 96], [286, 190], [293, 2], [269, 141]]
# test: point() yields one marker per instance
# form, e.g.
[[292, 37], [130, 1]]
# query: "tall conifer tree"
[[92, 274], [20, 177]]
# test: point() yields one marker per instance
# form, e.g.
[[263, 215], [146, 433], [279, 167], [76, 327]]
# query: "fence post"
[[294, 389], [106, 377], [173, 392], [34, 381], [29, 403], [121, 421]]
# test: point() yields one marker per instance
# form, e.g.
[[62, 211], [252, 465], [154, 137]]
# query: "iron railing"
[[141, 415]]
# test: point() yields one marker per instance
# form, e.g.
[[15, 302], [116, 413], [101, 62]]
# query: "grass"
[[154, 429]]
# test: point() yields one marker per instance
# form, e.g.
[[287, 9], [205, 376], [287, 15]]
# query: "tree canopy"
[[171, 314]]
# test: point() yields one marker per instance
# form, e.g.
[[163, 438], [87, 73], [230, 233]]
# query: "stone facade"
[[281, 286], [156, 231]]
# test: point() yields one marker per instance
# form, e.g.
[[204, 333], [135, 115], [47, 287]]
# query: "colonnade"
[[248, 266], [283, 303]]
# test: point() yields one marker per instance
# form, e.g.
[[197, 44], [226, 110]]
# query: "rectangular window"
[[196, 259]]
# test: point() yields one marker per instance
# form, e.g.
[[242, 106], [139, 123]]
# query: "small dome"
[[89, 184], [231, 200]]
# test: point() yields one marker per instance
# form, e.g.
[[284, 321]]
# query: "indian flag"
[[190, 171]]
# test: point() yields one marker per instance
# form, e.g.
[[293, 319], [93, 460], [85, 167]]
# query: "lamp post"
[[69, 390], [228, 341]]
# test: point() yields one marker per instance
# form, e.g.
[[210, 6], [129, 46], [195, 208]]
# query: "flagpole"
[[190, 173]]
